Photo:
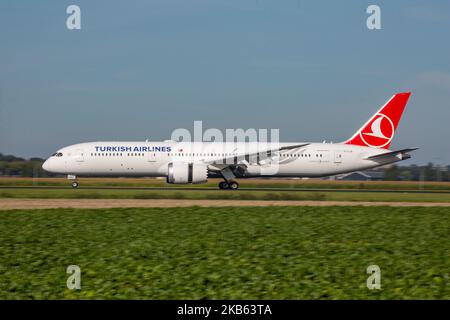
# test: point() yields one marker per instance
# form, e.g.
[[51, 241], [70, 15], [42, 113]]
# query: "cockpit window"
[[57, 154]]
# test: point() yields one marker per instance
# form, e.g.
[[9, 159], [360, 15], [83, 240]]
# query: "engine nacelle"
[[182, 172]]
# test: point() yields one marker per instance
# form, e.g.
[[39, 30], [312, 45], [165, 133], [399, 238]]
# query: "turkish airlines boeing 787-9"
[[194, 162]]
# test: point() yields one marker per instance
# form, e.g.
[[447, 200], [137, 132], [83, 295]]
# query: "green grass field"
[[230, 253], [223, 194], [299, 190]]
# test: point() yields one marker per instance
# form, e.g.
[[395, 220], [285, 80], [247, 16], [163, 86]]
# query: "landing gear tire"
[[233, 185], [74, 184], [223, 185]]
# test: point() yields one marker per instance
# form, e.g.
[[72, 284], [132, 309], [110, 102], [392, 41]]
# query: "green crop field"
[[230, 253]]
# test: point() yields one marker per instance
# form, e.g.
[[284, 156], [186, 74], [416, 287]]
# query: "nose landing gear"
[[74, 180], [229, 185]]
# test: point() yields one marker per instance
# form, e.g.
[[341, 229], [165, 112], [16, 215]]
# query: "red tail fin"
[[379, 131]]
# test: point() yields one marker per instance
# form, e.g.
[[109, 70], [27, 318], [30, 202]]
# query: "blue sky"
[[140, 69]]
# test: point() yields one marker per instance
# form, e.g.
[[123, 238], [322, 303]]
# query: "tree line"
[[428, 172], [20, 167]]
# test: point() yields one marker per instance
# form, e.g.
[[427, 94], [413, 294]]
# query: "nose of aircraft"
[[46, 165]]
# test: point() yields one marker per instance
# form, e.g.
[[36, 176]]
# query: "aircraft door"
[[338, 157], [79, 155]]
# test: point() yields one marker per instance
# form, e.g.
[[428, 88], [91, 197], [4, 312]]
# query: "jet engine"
[[182, 172]]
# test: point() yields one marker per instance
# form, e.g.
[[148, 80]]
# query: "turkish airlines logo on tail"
[[379, 132]]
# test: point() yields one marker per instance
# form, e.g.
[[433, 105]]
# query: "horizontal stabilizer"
[[401, 154]]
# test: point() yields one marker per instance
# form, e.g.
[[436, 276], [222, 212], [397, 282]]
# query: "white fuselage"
[[151, 159]]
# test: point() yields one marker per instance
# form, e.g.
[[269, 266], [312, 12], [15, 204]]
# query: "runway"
[[24, 204], [217, 189]]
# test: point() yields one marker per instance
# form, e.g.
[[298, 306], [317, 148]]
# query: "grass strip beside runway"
[[245, 183], [222, 195]]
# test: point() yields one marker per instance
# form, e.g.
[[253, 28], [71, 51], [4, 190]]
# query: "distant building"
[[362, 176]]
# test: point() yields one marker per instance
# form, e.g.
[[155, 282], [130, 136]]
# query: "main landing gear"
[[230, 185], [74, 184], [228, 175]]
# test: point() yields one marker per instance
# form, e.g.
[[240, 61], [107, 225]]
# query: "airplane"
[[195, 162]]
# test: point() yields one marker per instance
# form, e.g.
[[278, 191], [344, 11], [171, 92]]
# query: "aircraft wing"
[[401, 154], [246, 156]]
